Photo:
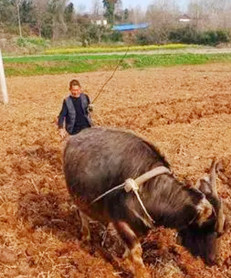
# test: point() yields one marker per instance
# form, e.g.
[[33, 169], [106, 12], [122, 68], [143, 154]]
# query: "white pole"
[[3, 81]]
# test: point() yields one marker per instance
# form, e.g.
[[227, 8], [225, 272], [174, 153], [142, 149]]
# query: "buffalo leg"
[[85, 231], [132, 242]]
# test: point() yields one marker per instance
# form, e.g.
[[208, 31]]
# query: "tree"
[[118, 12], [27, 12], [41, 14], [97, 8], [136, 15], [7, 12], [210, 14], [69, 12], [18, 3], [126, 15], [162, 16], [109, 6], [57, 9], [15, 13]]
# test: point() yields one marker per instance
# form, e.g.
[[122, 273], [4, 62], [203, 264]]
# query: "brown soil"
[[185, 111]]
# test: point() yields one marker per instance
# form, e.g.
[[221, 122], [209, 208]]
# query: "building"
[[129, 27], [99, 22], [185, 18]]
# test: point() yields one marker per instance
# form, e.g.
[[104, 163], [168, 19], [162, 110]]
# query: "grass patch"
[[173, 59], [58, 64]]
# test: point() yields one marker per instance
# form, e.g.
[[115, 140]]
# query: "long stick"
[[3, 81], [101, 89]]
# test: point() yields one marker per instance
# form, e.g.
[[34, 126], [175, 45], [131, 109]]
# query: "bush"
[[142, 38], [214, 37], [23, 42], [147, 37], [190, 34], [116, 36], [31, 45], [187, 34]]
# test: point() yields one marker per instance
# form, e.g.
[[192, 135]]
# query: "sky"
[[86, 5]]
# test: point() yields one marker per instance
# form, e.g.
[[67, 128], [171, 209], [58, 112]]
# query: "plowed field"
[[185, 111]]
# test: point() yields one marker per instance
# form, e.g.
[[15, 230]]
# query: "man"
[[75, 111]]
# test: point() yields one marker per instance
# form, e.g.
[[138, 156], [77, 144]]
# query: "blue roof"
[[129, 27]]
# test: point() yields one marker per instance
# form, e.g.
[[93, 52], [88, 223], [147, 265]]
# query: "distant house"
[[129, 27], [185, 18], [99, 22], [129, 31]]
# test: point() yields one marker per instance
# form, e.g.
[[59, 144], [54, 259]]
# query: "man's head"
[[74, 87]]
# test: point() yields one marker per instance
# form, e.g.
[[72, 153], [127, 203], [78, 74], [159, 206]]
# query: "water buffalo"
[[97, 160]]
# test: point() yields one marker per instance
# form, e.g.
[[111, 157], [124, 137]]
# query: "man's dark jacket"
[[75, 113]]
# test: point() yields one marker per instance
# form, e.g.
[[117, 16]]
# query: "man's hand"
[[90, 107], [62, 133]]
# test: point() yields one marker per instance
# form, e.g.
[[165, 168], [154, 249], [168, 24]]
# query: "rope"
[[133, 185], [101, 89], [141, 179], [130, 184], [108, 192]]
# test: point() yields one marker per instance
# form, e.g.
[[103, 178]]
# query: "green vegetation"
[[25, 42], [189, 34], [58, 64], [180, 59]]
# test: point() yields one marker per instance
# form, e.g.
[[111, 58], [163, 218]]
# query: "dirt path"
[[185, 111], [204, 50]]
